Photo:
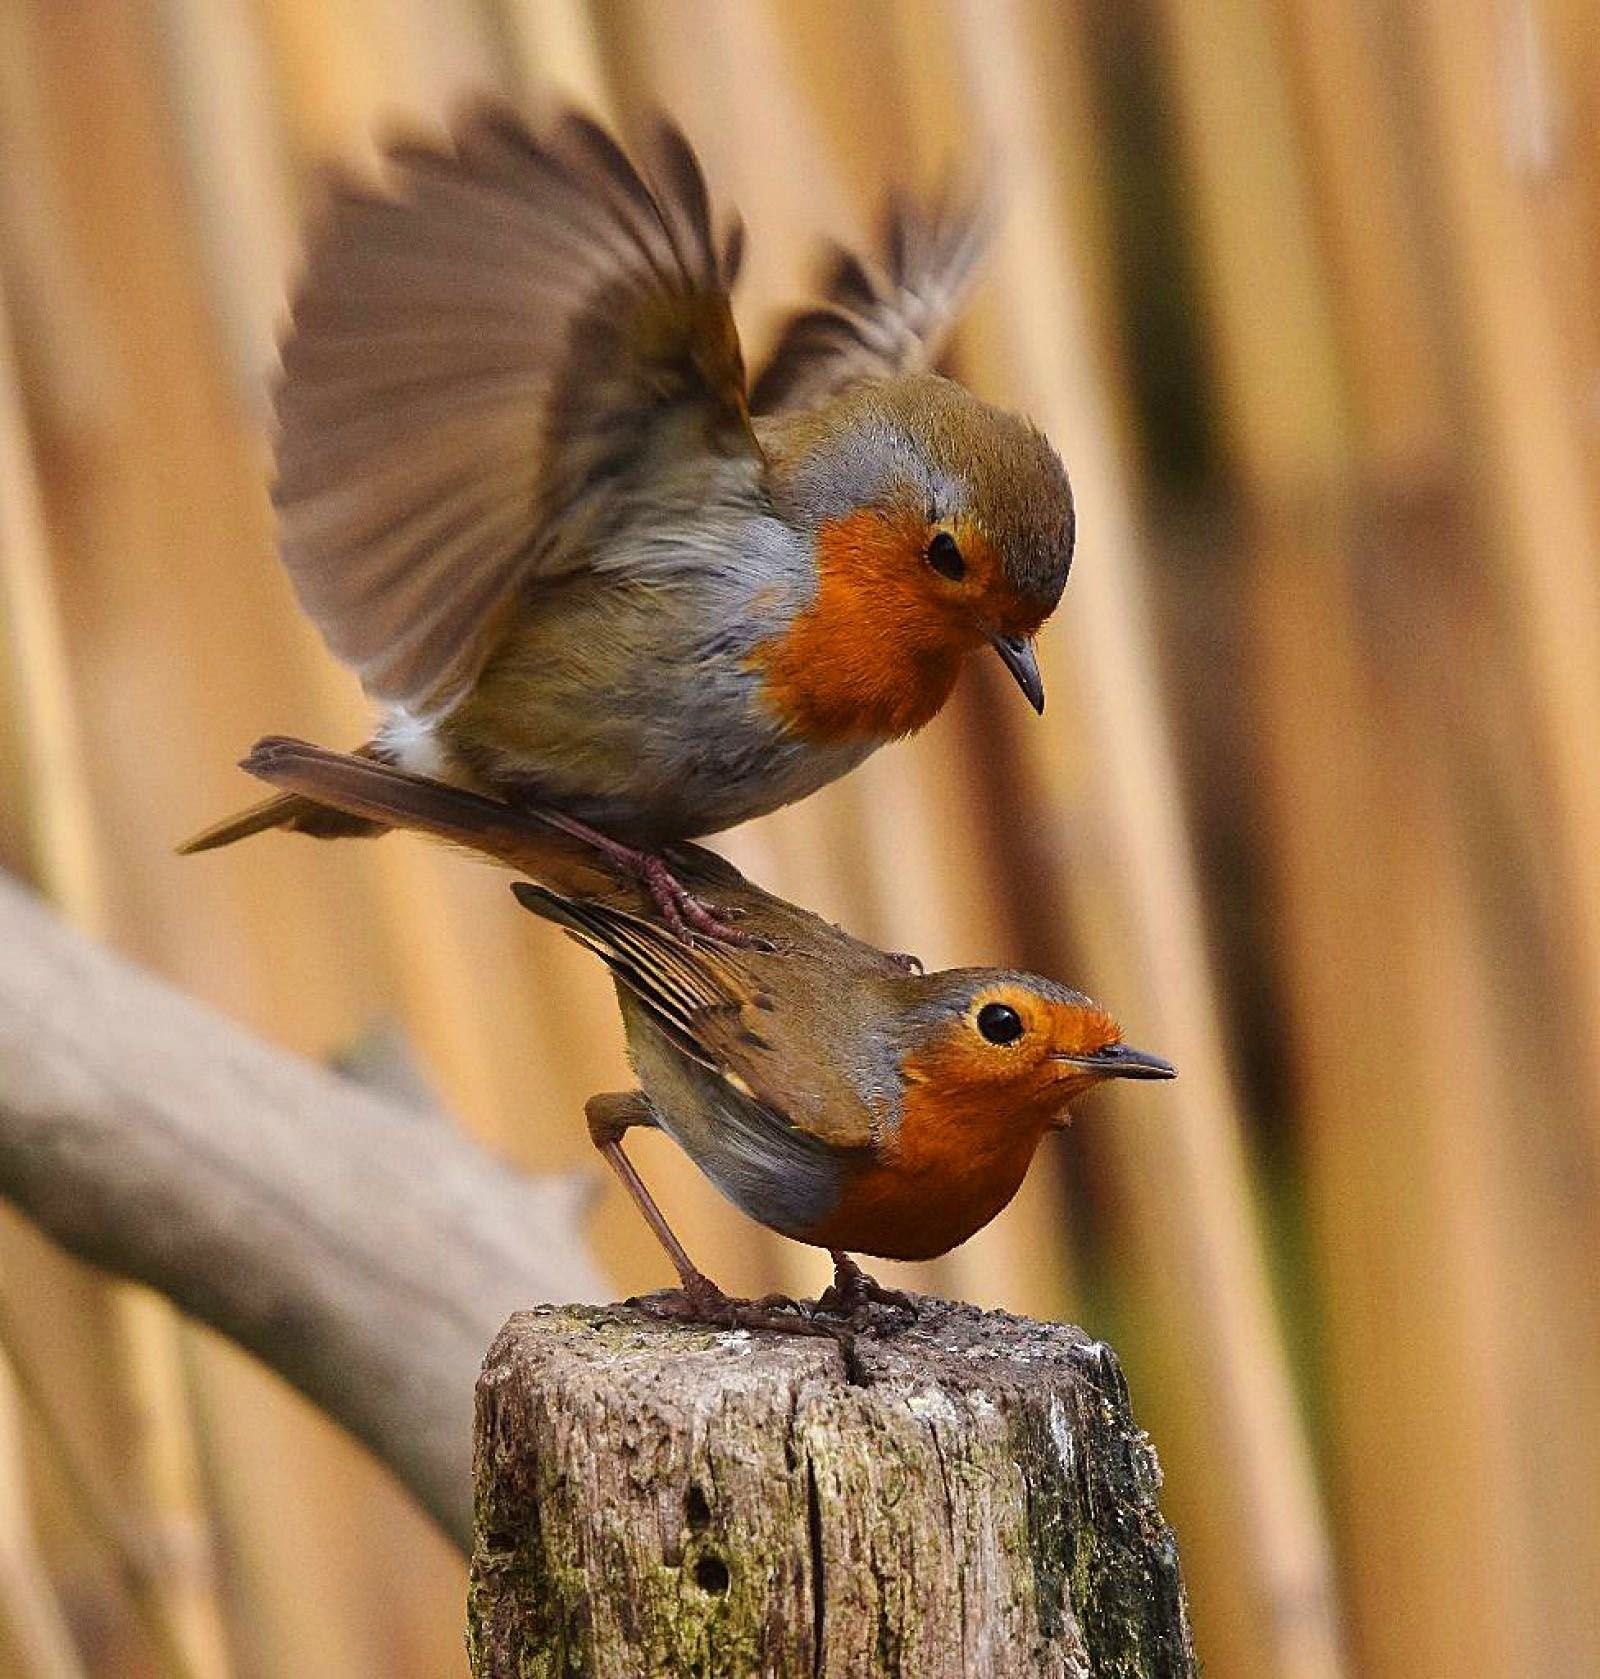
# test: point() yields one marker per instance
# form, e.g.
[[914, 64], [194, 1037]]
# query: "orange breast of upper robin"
[[877, 651], [958, 1156]]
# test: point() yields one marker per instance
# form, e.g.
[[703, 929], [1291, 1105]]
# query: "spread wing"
[[885, 319], [484, 360], [718, 1016]]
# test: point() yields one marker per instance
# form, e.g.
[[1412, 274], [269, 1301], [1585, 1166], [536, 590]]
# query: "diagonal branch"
[[362, 1250]]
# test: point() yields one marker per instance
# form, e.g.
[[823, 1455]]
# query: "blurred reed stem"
[[186, 1620], [96, 1510], [1197, 1264], [1394, 210], [31, 1614], [1489, 123]]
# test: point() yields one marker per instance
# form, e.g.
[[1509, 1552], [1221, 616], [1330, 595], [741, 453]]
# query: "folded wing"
[[716, 1014]]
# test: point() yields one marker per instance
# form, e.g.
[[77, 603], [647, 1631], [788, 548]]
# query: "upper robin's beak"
[[1122, 1061], [1016, 653]]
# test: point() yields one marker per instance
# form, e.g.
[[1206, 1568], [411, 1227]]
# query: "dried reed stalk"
[[29, 1609], [68, 866], [1488, 121], [1197, 1259]]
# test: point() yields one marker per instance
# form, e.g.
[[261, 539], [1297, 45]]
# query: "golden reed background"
[[1304, 290]]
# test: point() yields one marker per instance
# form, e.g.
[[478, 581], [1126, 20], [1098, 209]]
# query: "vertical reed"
[[1392, 213]]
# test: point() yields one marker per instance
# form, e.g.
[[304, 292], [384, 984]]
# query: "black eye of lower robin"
[[945, 557], [999, 1023]]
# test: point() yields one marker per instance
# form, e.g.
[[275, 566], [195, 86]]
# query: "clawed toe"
[[701, 1301], [895, 1297], [677, 906], [852, 1293], [688, 915]]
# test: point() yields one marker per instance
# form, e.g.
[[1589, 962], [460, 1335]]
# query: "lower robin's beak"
[[1016, 654], [1122, 1061]]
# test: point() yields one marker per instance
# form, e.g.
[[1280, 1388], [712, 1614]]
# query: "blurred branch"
[[365, 1252]]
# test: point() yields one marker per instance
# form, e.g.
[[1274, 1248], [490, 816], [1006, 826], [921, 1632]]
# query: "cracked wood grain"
[[656, 1499]]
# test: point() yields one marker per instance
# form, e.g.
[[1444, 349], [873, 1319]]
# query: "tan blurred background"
[[1304, 291]]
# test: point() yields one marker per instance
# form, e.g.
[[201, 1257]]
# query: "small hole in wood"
[[711, 1575], [697, 1512]]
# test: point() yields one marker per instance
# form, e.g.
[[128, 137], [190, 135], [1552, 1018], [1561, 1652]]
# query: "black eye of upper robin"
[[945, 557], [999, 1023]]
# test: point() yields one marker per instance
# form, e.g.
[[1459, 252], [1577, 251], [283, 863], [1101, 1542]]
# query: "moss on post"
[[655, 1499]]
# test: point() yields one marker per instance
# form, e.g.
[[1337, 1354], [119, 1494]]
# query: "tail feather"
[[285, 810], [323, 792], [370, 792]]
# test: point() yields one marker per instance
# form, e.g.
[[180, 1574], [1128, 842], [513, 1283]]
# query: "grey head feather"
[[926, 442]]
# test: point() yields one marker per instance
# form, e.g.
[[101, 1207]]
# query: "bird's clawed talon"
[[701, 1301], [688, 915], [843, 1311], [852, 1292], [677, 906]]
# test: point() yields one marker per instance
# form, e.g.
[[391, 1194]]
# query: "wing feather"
[[681, 990], [878, 321], [479, 357], [717, 1014]]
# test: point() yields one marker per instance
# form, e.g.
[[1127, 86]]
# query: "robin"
[[527, 494], [828, 1090]]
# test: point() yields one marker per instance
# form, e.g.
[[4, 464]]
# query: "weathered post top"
[[655, 1499]]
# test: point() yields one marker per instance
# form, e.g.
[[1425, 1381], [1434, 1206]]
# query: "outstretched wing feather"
[[479, 358], [880, 321]]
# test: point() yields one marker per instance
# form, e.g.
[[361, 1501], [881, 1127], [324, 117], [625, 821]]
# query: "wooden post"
[[654, 1499]]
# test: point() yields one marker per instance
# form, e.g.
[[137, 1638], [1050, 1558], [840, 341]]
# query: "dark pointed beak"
[[1122, 1061], [1016, 654]]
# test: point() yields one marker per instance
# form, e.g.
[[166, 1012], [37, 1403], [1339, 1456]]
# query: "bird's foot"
[[852, 1293], [699, 1300], [682, 911]]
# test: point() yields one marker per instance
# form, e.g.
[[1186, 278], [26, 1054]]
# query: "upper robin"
[[824, 1088], [526, 493]]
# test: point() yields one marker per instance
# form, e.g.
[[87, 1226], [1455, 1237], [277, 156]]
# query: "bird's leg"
[[609, 1117], [852, 1289], [682, 911]]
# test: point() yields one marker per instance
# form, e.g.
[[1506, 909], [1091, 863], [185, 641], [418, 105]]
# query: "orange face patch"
[[975, 1113], [877, 652]]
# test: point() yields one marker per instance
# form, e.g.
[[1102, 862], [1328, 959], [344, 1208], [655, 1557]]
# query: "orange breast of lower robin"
[[948, 1173], [876, 653]]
